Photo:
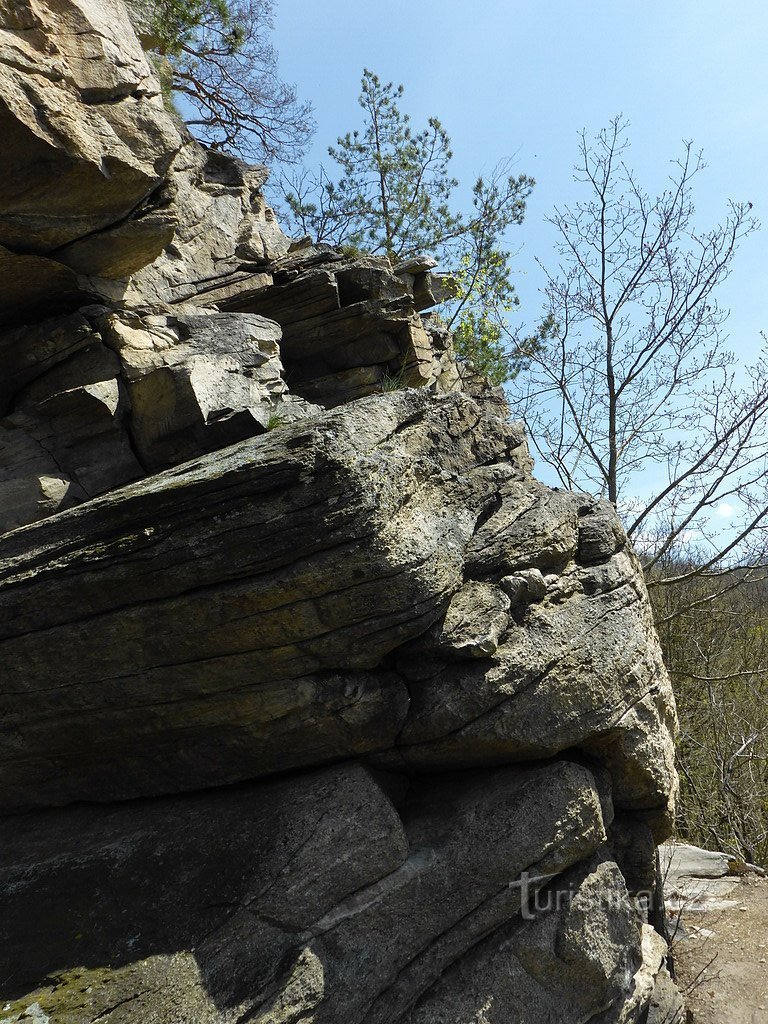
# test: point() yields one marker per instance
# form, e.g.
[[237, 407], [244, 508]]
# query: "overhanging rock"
[[314, 703], [281, 603]]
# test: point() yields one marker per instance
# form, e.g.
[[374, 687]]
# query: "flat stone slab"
[[679, 860]]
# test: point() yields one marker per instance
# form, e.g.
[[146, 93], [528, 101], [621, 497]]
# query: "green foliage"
[[175, 22], [352, 252], [716, 651], [394, 185], [164, 71], [477, 338], [393, 380], [392, 193], [275, 420]]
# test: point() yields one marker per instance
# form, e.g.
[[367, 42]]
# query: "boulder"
[[475, 620], [533, 527], [118, 251], [579, 667], [314, 896], [147, 900], [680, 861], [225, 236], [75, 436], [654, 998], [573, 957], [478, 846], [198, 380], [600, 534], [306, 579], [276, 577], [101, 397], [66, 439], [31, 351], [315, 704], [350, 327]]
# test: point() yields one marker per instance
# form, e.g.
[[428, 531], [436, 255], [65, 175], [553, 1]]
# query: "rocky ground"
[[723, 967], [720, 943]]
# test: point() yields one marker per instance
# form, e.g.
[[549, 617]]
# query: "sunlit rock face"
[[86, 139], [315, 704]]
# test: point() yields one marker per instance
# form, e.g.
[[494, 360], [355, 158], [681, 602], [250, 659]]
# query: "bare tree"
[[216, 54], [635, 390]]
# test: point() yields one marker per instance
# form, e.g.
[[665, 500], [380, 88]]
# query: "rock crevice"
[[315, 703]]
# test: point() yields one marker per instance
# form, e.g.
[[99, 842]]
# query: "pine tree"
[[393, 194]]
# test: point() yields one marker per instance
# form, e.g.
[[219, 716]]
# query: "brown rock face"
[[85, 136], [315, 705]]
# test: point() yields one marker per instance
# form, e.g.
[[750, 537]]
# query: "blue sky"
[[520, 80]]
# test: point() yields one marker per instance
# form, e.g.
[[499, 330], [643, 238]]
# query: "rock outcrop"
[[304, 597], [315, 704], [86, 140]]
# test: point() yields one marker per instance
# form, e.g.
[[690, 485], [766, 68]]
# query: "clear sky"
[[520, 80]]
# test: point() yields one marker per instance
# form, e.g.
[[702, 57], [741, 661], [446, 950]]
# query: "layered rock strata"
[[315, 703]]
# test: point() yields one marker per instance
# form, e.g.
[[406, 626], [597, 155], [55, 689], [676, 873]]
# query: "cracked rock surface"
[[300, 597], [315, 705]]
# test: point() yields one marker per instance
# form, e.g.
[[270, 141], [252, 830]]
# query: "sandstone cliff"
[[316, 705]]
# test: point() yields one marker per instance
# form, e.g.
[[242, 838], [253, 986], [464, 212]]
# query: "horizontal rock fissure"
[[260, 756]]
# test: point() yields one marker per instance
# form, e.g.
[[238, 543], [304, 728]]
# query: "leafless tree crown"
[[635, 391]]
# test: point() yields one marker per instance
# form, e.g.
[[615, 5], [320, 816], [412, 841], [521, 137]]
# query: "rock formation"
[[315, 704]]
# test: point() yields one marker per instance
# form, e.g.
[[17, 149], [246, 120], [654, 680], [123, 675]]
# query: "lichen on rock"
[[315, 704]]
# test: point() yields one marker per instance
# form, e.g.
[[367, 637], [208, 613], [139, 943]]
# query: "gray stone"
[[696, 880], [179, 383], [477, 845], [313, 895], [573, 958], [292, 297], [526, 585], [634, 850], [41, 492], [275, 577], [69, 427], [234, 583], [142, 14], [29, 352], [535, 527], [600, 534], [197, 380], [666, 1004], [416, 265], [649, 984], [397, 484], [75, 437], [476, 618], [277, 857], [119, 251], [350, 327], [581, 668], [225, 235], [681, 860]]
